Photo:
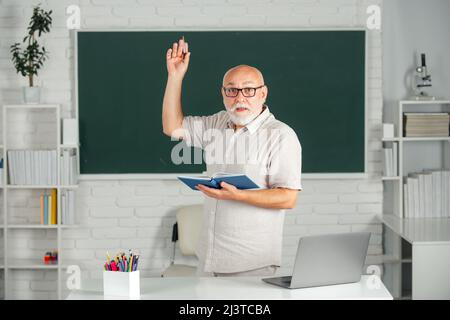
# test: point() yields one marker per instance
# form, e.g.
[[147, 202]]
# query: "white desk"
[[430, 256], [237, 288]]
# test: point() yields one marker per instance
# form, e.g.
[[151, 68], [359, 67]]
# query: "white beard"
[[238, 120]]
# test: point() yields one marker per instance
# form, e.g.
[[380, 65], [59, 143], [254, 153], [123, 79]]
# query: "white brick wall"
[[139, 214]]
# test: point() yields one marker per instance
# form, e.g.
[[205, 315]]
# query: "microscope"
[[421, 80]]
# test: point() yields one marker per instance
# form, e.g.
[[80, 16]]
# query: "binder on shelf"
[[28, 167], [68, 207], [49, 207], [45, 209], [41, 200], [32, 167], [52, 173], [426, 194], [68, 165], [63, 209], [405, 201], [388, 162], [49, 169], [73, 170], [395, 159], [72, 207], [54, 208], [22, 167], [421, 195], [42, 166], [436, 178], [445, 191], [412, 200]]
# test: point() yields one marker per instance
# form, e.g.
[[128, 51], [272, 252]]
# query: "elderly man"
[[242, 229]]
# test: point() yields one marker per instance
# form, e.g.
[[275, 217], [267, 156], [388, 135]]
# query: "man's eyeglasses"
[[246, 92]]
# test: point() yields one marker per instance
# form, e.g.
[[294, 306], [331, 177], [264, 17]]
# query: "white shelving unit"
[[417, 250], [9, 263]]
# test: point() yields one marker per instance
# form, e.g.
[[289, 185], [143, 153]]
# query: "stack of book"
[[425, 124], [32, 167], [69, 169], [427, 195], [390, 160], [48, 208], [68, 207]]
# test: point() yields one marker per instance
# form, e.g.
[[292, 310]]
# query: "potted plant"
[[28, 61]]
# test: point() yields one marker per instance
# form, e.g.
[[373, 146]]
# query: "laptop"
[[325, 260]]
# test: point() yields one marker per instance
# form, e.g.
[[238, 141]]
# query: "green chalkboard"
[[316, 82]]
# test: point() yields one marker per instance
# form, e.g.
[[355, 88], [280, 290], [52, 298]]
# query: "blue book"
[[240, 181], [45, 209]]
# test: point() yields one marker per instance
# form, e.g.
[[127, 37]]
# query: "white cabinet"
[[417, 250], [24, 240]]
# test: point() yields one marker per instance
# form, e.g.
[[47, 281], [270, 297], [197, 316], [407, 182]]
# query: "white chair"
[[186, 231]]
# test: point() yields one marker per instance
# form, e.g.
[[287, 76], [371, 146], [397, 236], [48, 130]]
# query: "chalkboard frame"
[[173, 176]]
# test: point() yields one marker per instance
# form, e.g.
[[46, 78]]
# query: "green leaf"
[[27, 61]]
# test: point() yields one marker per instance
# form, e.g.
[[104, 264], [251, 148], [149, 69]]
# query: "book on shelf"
[[390, 161], [436, 178], [445, 190], [421, 195], [48, 208], [68, 207], [32, 167], [28, 169], [22, 166], [395, 158], [426, 124], [426, 194], [53, 210], [387, 158], [42, 205], [68, 167], [412, 188], [406, 199]]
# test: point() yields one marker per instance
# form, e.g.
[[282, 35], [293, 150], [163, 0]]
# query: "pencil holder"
[[121, 284]]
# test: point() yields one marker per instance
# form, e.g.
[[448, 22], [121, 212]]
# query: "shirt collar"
[[255, 123]]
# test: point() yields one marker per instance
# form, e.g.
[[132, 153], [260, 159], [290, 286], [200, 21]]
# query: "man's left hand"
[[228, 192]]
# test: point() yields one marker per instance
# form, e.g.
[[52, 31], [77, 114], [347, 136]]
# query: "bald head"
[[251, 74], [251, 95]]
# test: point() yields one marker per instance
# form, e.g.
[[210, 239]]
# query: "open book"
[[240, 181]]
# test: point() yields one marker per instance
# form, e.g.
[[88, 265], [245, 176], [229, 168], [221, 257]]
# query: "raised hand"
[[177, 59]]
